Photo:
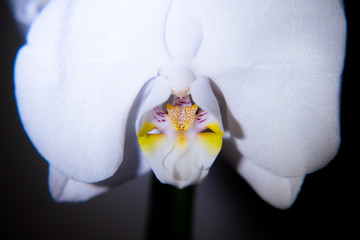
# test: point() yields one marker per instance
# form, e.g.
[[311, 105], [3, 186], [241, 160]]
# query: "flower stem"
[[171, 212]]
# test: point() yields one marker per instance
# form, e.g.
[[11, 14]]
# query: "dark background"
[[225, 206]]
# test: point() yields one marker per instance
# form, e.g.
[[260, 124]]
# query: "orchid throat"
[[180, 139]]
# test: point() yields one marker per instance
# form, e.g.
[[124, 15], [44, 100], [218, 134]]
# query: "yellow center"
[[181, 118]]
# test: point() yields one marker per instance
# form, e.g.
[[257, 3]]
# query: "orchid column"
[[259, 79]]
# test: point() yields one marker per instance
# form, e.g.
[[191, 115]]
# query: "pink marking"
[[202, 114], [161, 115], [201, 121], [159, 112], [182, 101]]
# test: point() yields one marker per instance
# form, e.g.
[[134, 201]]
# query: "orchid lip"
[[180, 141]]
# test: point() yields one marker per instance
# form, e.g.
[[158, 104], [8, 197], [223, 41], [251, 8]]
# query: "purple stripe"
[[159, 112], [201, 121]]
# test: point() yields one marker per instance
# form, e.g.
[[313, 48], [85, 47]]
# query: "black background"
[[226, 208]]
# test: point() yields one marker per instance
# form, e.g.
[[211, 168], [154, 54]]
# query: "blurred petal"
[[280, 192], [78, 76], [278, 65], [25, 11], [65, 189]]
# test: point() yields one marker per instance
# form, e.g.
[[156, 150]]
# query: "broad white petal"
[[278, 65], [279, 191], [65, 189], [78, 76]]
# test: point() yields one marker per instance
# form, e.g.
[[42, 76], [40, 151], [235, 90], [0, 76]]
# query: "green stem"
[[170, 212]]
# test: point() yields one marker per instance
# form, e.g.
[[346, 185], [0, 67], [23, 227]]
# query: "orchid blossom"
[[165, 85]]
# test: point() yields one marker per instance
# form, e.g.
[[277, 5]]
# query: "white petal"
[[278, 65], [175, 167], [180, 78], [183, 33], [204, 97], [179, 165], [65, 189], [280, 192], [156, 93], [78, 76]]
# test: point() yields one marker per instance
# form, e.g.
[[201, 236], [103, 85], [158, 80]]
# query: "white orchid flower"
[[123, 87]]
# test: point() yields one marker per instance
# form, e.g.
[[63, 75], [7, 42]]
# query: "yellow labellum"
[[150, 143], [181, 140], [215, 127], [211, 142], [147, 127], [181, 130]]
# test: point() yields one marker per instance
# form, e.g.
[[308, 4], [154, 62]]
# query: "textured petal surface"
[[278, 65], [77, 77], [64, 189], [280, 192]]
